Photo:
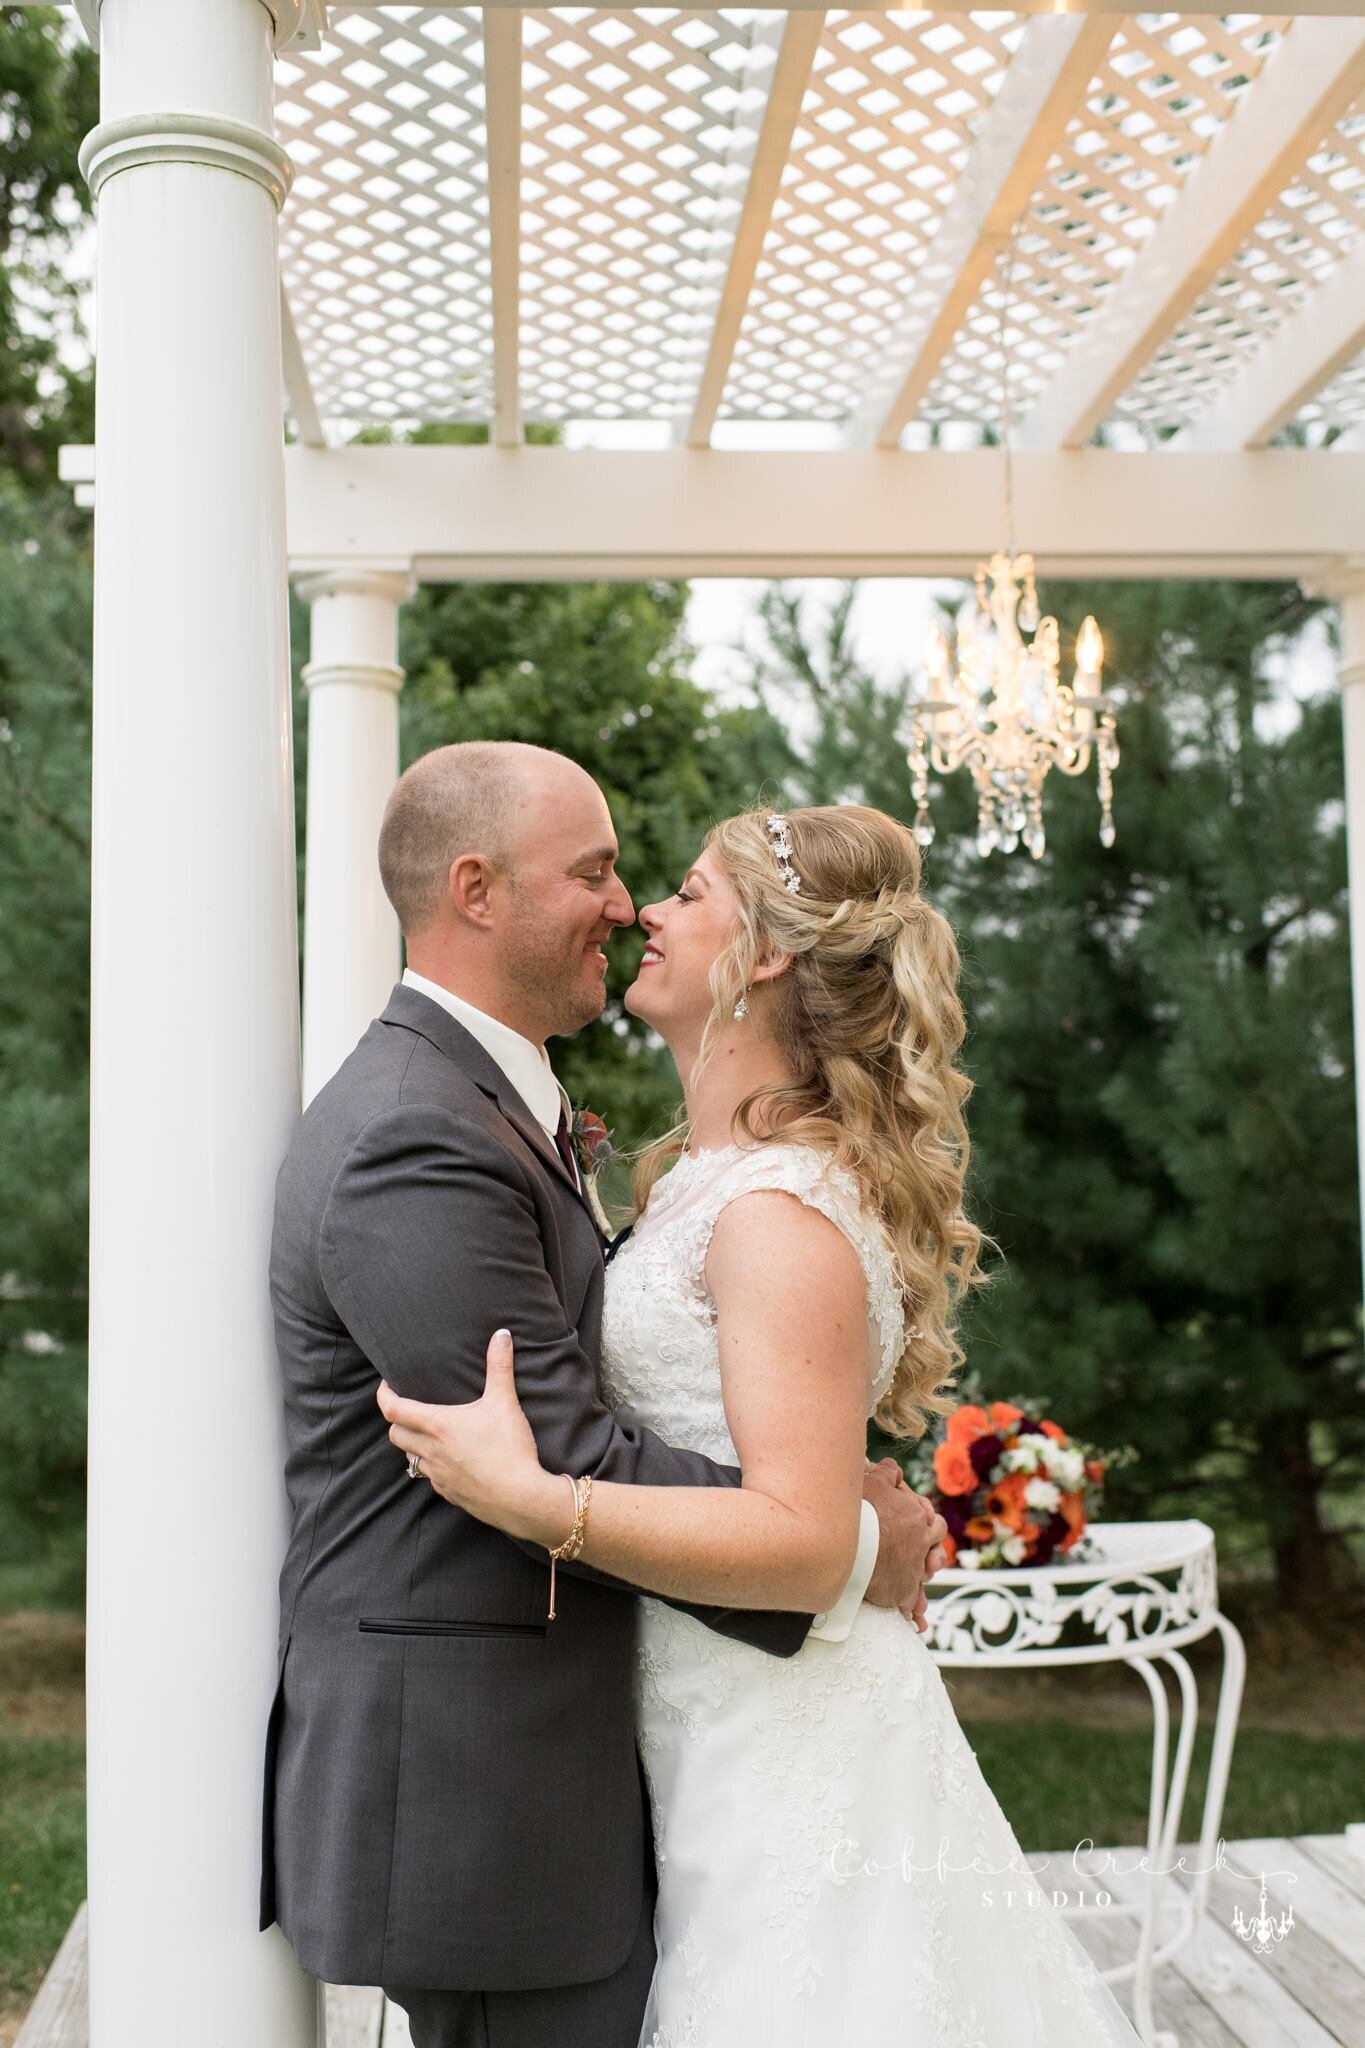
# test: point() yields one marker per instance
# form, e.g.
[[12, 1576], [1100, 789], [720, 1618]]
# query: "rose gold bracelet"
[[573, 1542]]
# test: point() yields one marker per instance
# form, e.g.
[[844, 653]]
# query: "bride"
[[833, 1867]]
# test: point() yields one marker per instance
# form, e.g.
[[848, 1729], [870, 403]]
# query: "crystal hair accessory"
[[782, 852]]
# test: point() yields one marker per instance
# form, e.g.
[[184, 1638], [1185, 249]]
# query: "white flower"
[[970, 1560], [1041, 1493], [1014, 1551], [1023, 1456]]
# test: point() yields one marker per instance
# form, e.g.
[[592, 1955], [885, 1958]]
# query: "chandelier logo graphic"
[[1264, 1929]]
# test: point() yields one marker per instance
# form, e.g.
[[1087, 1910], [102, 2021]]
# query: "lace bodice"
[[661, 1362]]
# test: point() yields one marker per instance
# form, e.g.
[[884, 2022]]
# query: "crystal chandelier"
[[1000, 709], [1004, 713]]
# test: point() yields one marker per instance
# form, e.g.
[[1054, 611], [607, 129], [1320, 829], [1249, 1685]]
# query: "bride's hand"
[[481, 1455]]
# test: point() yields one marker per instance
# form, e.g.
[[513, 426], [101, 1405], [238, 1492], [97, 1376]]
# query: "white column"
[[1344, 583], [352, 951], [194, 1056]]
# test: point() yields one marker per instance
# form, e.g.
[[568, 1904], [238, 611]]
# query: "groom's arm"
[[429, 1242]]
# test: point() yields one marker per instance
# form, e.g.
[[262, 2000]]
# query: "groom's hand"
[[909, 1551]]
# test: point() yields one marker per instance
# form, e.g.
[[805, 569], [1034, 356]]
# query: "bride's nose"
[[651, 917]]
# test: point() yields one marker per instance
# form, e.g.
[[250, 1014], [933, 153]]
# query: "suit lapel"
[[418, 1012]]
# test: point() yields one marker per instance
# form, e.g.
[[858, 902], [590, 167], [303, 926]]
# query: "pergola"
[[699, 222]]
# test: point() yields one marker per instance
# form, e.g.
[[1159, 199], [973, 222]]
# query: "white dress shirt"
[[527, 1067]]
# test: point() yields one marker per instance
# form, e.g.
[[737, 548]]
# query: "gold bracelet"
[[582, 1494], [573, 1542]]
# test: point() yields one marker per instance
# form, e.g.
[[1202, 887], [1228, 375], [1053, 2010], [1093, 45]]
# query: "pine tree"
[[1162, 1123]]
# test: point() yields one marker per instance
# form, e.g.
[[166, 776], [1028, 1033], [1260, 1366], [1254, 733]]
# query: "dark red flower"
[[591, 1141], [983, 1452]]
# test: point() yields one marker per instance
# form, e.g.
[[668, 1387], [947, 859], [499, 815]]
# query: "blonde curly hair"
[[869, 1021]]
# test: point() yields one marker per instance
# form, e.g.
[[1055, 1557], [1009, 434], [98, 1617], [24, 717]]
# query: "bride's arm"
[[791, 1321]]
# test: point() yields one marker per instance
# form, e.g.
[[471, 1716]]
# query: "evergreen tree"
[[44, 1033], [1163, 1127], [49, 99]]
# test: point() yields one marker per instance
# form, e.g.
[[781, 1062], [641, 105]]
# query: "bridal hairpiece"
[[782, 852]]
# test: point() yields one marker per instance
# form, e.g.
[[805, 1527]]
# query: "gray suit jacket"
[[452, 1794]]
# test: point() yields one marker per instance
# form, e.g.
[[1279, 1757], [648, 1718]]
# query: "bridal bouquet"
[[1011, 1484]]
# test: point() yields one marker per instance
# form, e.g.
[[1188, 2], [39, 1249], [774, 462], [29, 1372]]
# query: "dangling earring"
[[741, 1008]]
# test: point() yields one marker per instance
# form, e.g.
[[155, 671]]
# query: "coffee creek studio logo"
[[1265, 1929], [1088, 1864]]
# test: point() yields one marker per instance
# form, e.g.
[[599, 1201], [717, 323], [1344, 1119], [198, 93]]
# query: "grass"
[[42, 1798], [42, 1856], [1059, 1782]]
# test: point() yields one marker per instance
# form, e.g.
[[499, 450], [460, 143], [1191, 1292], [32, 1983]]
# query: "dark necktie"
[[565, 1144]]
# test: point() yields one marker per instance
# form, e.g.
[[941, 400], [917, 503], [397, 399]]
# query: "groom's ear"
[[470, 885]]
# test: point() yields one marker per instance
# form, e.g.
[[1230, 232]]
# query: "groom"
[[453, 1802]]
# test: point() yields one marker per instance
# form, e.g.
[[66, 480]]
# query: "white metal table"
[[1147, 1591]]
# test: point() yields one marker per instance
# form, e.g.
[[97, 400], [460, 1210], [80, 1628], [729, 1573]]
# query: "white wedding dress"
[[803, 1806]]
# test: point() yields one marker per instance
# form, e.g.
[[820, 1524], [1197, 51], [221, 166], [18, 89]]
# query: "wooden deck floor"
[[1309, 1992]]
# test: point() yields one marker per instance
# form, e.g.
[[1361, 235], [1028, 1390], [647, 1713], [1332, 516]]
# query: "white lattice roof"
[[686, 217]]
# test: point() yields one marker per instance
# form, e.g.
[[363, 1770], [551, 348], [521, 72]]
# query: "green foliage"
[[44, 1030], [1060, 1782], [599, 672], [49, 99], [1162, 1124]]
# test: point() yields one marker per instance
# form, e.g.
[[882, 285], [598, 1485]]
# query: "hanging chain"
[[1012, 249]]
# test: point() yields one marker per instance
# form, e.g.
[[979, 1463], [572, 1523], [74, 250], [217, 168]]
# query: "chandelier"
[[1003, 712], [996, 704]]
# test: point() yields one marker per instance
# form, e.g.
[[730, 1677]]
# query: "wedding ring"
[[414, 1464]]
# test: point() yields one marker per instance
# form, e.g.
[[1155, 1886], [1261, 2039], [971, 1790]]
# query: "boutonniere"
[[594, 1152]]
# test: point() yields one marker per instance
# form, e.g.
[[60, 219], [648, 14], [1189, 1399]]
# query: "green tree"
[[49, 99], [1160, 1040], [44, 1034]]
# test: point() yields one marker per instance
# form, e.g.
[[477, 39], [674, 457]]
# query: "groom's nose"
[[620, 909]]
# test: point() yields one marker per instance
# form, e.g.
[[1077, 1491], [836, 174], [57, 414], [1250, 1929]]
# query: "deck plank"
[[1321, 1982], [1337, 1858], [1308, 1993], [355, 2015], [1259, 2009], [1329, 1908], [59, 2016], [1178, 2006]]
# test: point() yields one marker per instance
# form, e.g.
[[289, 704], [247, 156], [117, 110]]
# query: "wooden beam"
[[1307, 85], [502, 112], [539, 513], [1320, 338], [298, 385], [796, 54], [1042, 91]]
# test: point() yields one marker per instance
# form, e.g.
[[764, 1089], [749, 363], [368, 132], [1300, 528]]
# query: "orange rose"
[[1094, 1469], [1004, 1415], [980, 1528], [953, 1469], [967, 1423], [949, 1549], [1051, 1429], [1071, 1507], [1008, 1493]]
